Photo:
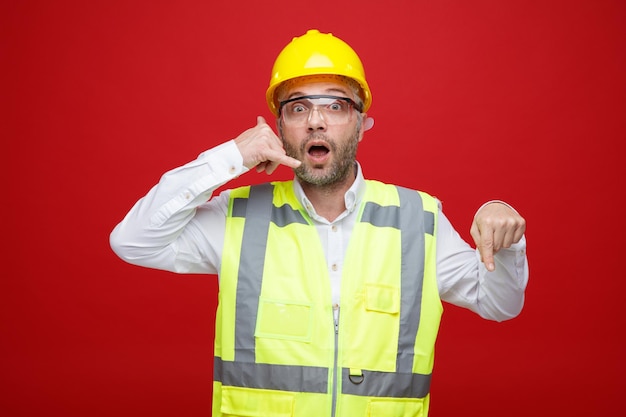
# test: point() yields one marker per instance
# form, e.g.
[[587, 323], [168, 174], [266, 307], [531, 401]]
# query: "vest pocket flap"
[[250, 402], [395, 407], [382, 298]]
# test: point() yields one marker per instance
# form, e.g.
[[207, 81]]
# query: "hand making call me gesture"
[[495, 226]]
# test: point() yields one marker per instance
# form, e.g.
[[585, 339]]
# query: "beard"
[[344, 159]]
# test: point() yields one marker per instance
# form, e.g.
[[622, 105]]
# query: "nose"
[[316, 120]]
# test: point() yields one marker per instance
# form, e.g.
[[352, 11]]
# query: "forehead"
[[315, 85]]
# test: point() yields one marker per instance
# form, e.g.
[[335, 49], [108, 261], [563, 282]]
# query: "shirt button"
[[333, 228], [232, 170], [334, 267]]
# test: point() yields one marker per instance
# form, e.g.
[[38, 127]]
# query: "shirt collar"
[[352, 197]]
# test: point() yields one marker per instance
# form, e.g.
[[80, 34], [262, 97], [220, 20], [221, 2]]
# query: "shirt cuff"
[[495, 201], [225, 158]]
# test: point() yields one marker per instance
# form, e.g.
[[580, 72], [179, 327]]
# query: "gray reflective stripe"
[[281, 216], [251, 264], [412, 275], [389, 217], [381, 216], [240, 205], [429, 223], [252, 260], [412, 236], [284, 215], [276, 377], [387, 384]]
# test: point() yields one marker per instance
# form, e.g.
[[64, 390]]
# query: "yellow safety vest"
[[278, 352]]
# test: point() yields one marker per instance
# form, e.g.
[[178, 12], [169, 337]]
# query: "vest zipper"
[[336, 360]]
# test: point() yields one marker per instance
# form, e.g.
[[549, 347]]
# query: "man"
[[330, 284]]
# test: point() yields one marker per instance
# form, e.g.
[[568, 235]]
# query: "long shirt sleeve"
[[175, 227], [179, 226]]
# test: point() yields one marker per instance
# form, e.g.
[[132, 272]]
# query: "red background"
[[473, 100]]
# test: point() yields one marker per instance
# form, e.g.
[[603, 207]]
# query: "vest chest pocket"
[[286, 320], [381, 298], [371, 335]]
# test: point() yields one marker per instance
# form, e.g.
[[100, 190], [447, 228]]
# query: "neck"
[[329, 199]]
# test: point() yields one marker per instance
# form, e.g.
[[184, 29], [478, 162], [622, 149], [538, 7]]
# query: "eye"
[[297, 107], [336, 106]]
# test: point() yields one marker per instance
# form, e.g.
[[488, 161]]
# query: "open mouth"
[[318, 151]]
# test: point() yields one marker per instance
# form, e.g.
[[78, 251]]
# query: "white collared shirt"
[[179, 226]]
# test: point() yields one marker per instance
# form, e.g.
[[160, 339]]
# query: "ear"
[[368, 122], [279, 127]]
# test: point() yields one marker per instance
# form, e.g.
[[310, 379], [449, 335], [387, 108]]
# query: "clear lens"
[[334, 110]]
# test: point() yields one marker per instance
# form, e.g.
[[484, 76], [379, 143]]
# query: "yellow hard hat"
[[316, 53]]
